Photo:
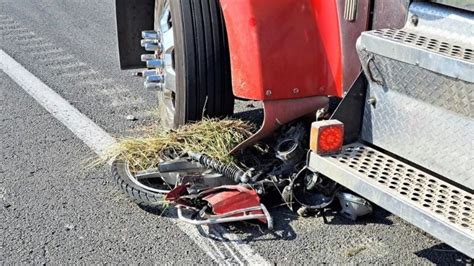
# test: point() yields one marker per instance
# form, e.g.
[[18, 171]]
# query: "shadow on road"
[[251, 232], [282, 229], [379, 216], [443, 254]]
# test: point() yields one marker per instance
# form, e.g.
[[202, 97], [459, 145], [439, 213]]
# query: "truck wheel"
[[196, 61]]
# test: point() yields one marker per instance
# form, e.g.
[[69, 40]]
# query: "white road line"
[[244, 250], [99, 140], [90, 133]]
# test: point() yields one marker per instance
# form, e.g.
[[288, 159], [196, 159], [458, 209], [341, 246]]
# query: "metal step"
[[437, 207], [421, 90]]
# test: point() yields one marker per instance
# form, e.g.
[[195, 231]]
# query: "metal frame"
[[351, 109], [467, 5], [229, 216]]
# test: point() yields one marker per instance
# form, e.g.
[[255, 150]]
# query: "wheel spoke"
[[170, 79], [165, 15], [166, 108], [168, 41]]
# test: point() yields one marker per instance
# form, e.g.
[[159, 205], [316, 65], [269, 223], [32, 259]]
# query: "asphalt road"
[[54, 209]]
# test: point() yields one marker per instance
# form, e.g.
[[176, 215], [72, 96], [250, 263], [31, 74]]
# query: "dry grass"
[[210, 136], [355, 250]]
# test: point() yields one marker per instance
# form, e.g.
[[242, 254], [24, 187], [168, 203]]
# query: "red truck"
[[395, 78]]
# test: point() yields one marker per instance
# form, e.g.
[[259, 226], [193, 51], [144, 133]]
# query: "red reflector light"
[[327, 136]]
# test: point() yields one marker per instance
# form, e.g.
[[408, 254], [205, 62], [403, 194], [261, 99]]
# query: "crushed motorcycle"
[[271, 172]]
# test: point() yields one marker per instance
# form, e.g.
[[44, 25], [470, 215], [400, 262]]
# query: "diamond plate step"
[[415, 39], [437, 207], [441, 40], [421, 84]]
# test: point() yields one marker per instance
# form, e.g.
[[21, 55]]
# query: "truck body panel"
[[284, 49]]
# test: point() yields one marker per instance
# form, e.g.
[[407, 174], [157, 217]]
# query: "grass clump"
[[210, 136], [355, 250]]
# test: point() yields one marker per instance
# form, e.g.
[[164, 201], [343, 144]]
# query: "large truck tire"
[[197, 63]]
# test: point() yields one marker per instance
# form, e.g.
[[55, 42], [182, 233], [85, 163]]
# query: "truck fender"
[[284, 49]]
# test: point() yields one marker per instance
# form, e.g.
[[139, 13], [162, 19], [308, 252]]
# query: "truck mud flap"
[[132, 18]]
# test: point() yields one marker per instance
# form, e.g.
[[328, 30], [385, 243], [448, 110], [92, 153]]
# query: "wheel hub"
[[160, 75]]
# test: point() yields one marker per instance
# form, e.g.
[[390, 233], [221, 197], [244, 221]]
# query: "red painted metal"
[[222, 199], [284, 49], [280, 112], [349, 33], [225, 199], [176, 193]]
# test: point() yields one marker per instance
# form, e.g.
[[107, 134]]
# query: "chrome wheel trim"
[[166, 97]]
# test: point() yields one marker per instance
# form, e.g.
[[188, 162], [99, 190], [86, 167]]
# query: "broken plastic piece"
[[311, 200], [228, 204], [353, 206]]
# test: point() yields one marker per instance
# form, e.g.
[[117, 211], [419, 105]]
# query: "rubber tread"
[[205, 63], [135, 193]]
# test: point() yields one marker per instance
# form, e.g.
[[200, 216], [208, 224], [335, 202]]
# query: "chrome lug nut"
[[146, 57], [148, 41], [146, 73], [154, 78], [153, 47], [153, 86], [150, 34], [155, 63]]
